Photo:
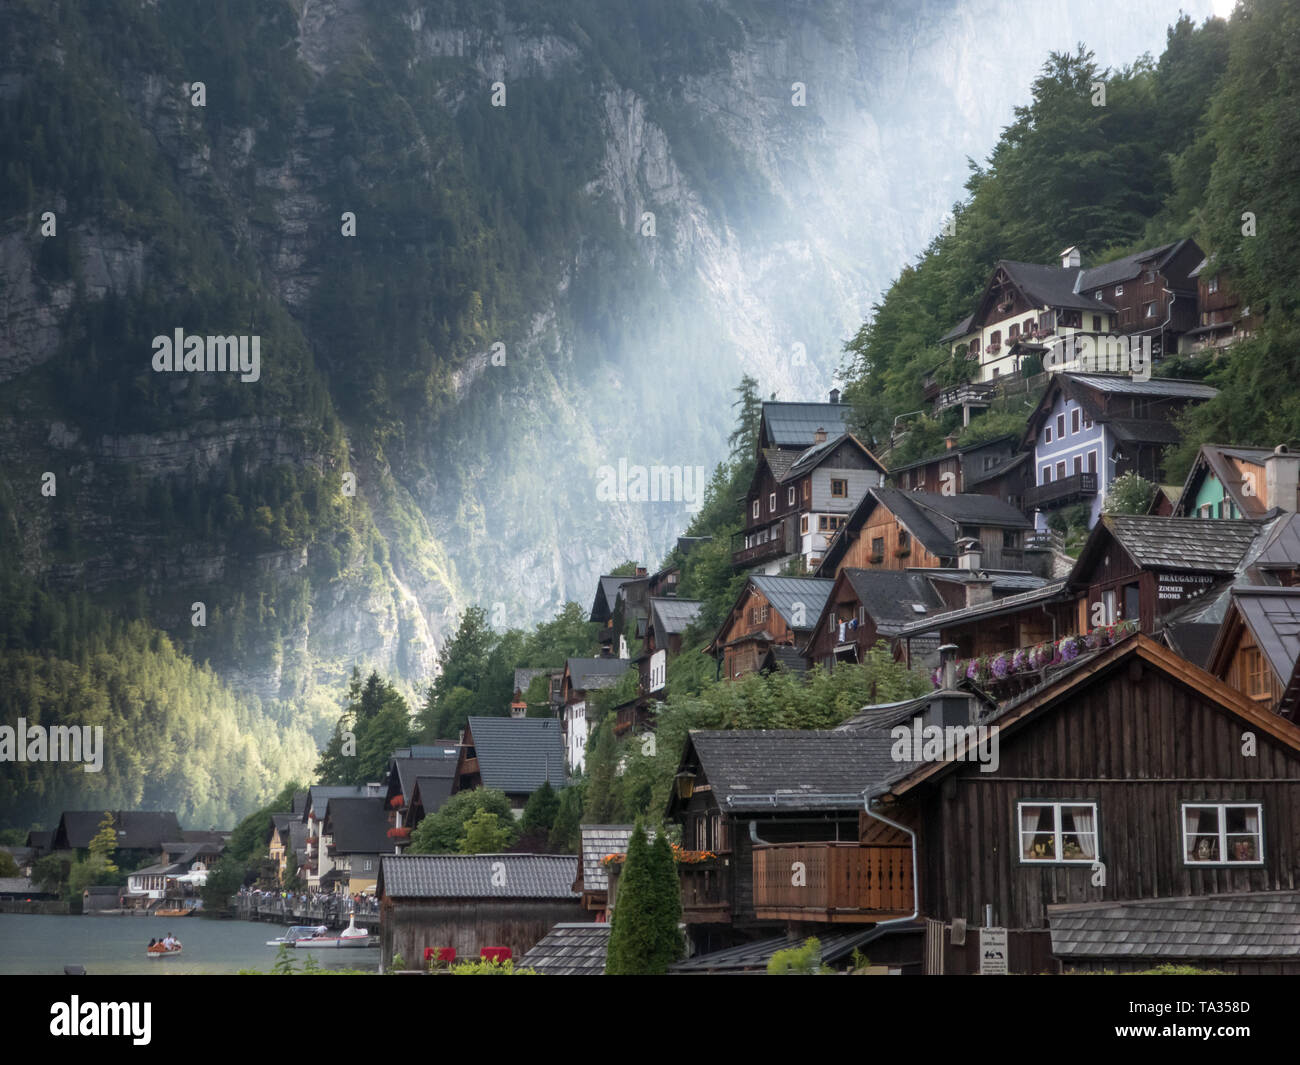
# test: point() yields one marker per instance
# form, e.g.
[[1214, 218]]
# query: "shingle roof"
[[432, 792], [515, 754], [793, 769], [1245, 927], [785, 658], [779, 461], [958, 330], [592, 674], [1273, 615], [1282, 548], [478, 876], [1157, 386], [1050, 286], [796, 424], [972, 508], [409, 770], [755, 955], [891, 597], [136, 829], [1180, 543], [1126, 267], [792, 596], [16, 885], [598, 841], [672, 616], [359, 825], [570, 950]]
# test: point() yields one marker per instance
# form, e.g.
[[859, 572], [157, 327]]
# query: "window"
[[1149, 277], [1092, 462], [1010, 539], [1132, 601], [830, 522], [1028, 327], [1254, 670], [803, 525], [1119, 290], [771, 502], [878, 548], [755, 508], [904, 542], [995, 340], [807, 489], [1047, 435], [789, 495], [1058, 832], [1078, 463], [1074, 420], [1206, 510], [1047, 475], [1213, 284], [1087, 422], [1096, 323], [839, 488], [1060, 427], [1060, 470], [1223, 834], [758, 614], [1098, 295], [1013, 331], [1149, 310]]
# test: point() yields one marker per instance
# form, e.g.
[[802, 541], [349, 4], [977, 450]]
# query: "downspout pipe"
[[916, 884]]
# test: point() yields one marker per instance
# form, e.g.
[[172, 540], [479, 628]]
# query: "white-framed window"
[[755, 510], [1213, 284], [1119, 290], [789, 495], [1047, 435], [1099, 295], [1074, 420], [1150, 310], [771, 502], [1223, 833], [1058, 832]]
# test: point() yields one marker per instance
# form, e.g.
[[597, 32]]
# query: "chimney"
[[518, 709], [948, 666], [969, 554], [640, 571], [1070, 259], [835, 395], [950, 441], [979, 590], [819, 437], [1281, 478]]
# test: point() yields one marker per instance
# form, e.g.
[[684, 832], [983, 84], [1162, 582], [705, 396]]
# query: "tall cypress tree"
[[644, 938]]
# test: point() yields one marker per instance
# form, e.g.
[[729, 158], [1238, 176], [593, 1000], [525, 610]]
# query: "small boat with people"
[[167, 947], [352, 936]]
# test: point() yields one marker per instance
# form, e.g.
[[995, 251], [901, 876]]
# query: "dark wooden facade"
[[753, 627], [407, 926]]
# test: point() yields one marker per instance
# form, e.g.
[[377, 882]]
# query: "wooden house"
[[473, 901], [997, 468], [1123, 781], [1222, 319], [511, 754], [317, 862], [355, 834], [583, 676], [769, 612], [430, 762], [593, 882], [1153, 292], [1239, 482], [892, 529], [666, 623], [865, 606], [1090, 428], [1257, 649]]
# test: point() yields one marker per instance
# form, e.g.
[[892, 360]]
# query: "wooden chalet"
[[1091, 428], [435, 764], [1239, 482], [1121, 782], [997, 468], [798, 500], [594, 876], [354, 834], [1222, 319], [666, 623], [869, 605], [1257, 648], [583, 676], [769, 612], [892, 529]]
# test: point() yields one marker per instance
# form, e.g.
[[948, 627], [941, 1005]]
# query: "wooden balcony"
[[840, 882], [1071, 489], [966, 395], [469, 766], [706, 892], [780, 542]]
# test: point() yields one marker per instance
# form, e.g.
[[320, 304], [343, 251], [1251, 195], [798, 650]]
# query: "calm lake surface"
[[35, 944]]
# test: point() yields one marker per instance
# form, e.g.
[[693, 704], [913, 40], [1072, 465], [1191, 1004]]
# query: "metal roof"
[[1157, 386], [591, 674], [1127, 267], [1273, 615], [516, 754], [1247, 927], [1050, 286], [755, 955], [674, 615], [891, 597], [991, 608], [790, 596], [478, 876], [796, 424]]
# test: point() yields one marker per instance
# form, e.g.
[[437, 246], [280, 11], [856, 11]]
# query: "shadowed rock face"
[[774, 228]]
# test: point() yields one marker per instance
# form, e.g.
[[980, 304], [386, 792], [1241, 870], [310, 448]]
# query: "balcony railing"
[[1058, 493], [839, 882], [964, 394], [706, 892], [469, 766], [774, 546]]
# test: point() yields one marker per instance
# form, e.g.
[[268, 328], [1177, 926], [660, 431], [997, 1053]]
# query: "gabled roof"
[[571, 949], [592, 674], [359, 825], [1088, 388], [1169, 543], [598, 841], [790, 769], [1048, 286], [794, 596], [409, 770], [1043, 592], [1281, 547], [819, 453], [795, 425], [477, 876], [1273, 616], [783, 659], [1250, 926], [432, 792], [1129, 266], [607, 589], [672, 616], [1156, 386], [1215, 459], [516, 754], [136, 829], [319, 795], [892, 597], [958, 330]]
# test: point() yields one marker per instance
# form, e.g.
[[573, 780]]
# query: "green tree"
[[644, 939], [441, 831], [603, 800], [8, 867], [540, 811], [1129, 494], [104, 844], [566, 832], [224, 880], [799, 961], [484, 834]]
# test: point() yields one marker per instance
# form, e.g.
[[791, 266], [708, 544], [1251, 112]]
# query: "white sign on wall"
[[658, 671], [993, 952]]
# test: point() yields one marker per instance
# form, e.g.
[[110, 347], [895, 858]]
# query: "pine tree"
[[104, 844], [644, 939]]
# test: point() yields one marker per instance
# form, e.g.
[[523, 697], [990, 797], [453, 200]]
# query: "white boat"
[[352, 936], [162, 953], [296, 932]]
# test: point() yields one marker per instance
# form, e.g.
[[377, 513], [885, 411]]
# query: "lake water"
[[34, 944]]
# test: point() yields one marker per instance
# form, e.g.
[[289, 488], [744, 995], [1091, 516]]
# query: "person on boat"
[[152, 942]]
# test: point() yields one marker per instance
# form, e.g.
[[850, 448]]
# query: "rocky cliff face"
[[791, 167]]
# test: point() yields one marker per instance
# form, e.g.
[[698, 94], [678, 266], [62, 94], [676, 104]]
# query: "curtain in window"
[[1202, 827], [1085, 830]]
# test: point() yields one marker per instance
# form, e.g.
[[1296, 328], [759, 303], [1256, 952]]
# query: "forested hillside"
[[1185, 145]]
